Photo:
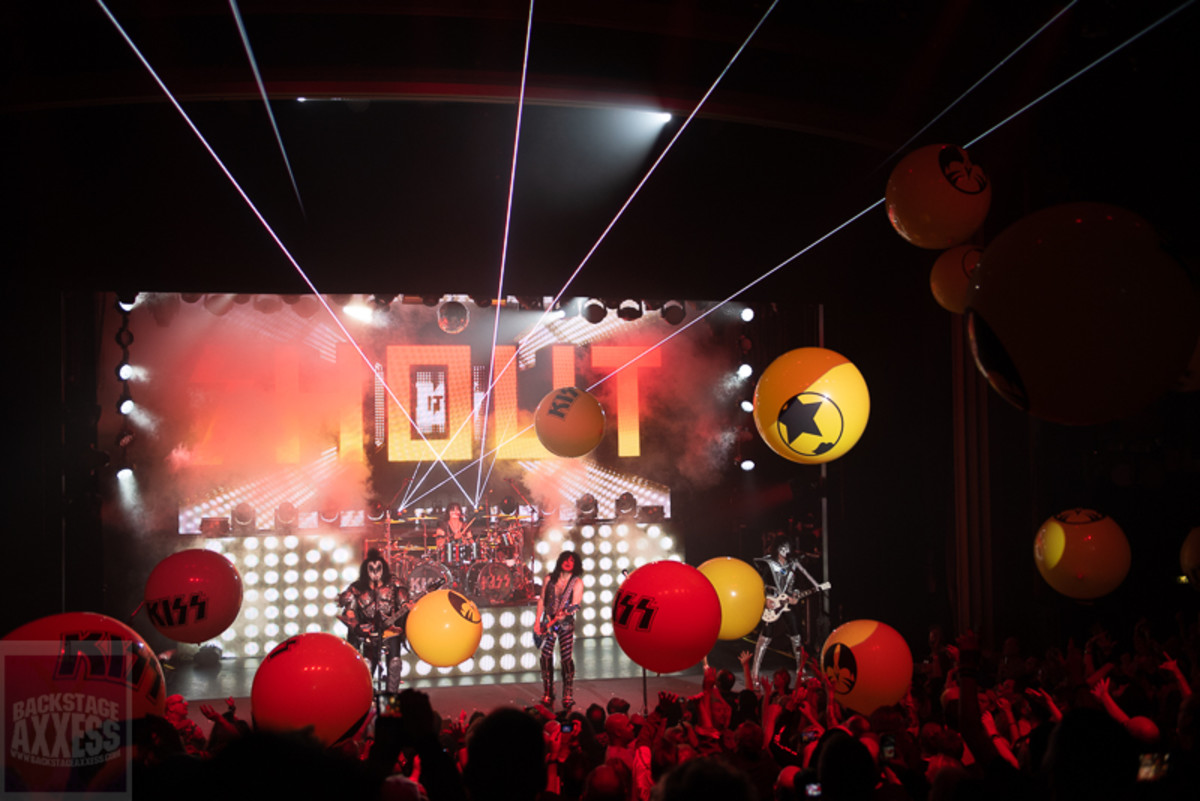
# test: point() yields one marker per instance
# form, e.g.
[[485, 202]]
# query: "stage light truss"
[[291, 585]]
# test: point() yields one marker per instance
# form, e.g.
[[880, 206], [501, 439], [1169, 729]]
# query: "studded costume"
[[781, 574], [557, 606], [373, 609]]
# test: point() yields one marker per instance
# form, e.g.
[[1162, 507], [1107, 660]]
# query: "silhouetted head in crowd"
[[603, 784], [616, 704], [505, 757], [1091, 757], [706, 779]]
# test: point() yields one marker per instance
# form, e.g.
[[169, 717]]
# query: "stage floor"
[[602, 672]]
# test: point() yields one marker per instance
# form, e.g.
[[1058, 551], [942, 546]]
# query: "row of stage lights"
[[291, 586]]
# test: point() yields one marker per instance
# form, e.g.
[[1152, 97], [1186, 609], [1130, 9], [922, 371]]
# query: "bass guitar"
[[778, 604]]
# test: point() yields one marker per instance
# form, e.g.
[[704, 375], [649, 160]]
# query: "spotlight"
[[744, 371], [124, 473], [453, 317], [586, 507], [243, 518], [626, 505], [376, 511], [125, 403], [747, 406], [747, 314], [747, 465], [673, 312], [126, 300], [124, 370], [507, 505], [267, 304], [381, 302], [629, 309], [594, 310], [285, 517], [648, 514], [330, 514]]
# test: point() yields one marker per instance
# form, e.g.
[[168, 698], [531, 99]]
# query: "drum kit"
[[484, 565]]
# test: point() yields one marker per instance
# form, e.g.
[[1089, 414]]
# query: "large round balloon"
[[950, 278], [937, 197], [811, 405], [72, 682], [741, 593], [569, 422], [666, 616], [1082, 553], [1189, 558], [1078, 316], [193, 595], [444, 628], [314, 681], [868, 663]]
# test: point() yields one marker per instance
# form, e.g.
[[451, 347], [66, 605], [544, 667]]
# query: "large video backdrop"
[[292, 434]]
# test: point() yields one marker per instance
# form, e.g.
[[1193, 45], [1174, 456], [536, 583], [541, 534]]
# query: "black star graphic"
[[798, 418]]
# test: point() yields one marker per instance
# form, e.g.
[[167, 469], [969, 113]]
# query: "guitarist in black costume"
[[560, 599], [781, 574], [373, 609]]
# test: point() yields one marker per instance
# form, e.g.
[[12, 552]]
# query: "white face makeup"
[[375, 571]]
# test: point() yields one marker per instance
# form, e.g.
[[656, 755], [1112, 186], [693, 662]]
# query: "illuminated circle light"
[[508, 662], [588, 549], [228, 634], [507, 640], [310, 610], [251, 649], [528, 617], [272, 612], [250, 543], [313, 556], [291, 577], [507, 620], [606, 530], [269, 646], [291, 629], [291, 542], [405, 669], [606, 612], [588, 532], [529, 661], [606, 564], [271, 595], [423, 668], [622, 562], [666, 542], [311, 627], [606, 630], [251, 630], [311, 593], [329, 592], [606, 547], [486, 663], [250, 578], [252, 613], [589, 580], [330, 574], [589, 597], [466, 666], [250, 596], [341, 555], [639, 561], [291, 593], [215, 545], [270, 577], [270, 543], [326, 544], [653, 530], [589, 565], [291, 559], [543, 548], [589, 630], [487, 620], [623, 546], [251, 560], [527, 640], [622, 530], [554, 535], [606, 580], [606, 597], [349, 574], [589, 613], [271, 630], [487, 642], [330, 609]]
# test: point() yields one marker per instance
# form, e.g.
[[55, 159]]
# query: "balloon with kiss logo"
[[569, 422], [193, 595], [666, 616]]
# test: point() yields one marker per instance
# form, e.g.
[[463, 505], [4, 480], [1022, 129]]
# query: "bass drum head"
[[492, 582], [402, 566], [427, 577]]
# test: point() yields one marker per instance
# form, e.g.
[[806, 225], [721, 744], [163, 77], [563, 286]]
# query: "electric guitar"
[[778, 604], [549, 626]]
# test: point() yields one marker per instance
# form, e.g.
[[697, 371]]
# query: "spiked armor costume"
[[781, 575], [373, 609]]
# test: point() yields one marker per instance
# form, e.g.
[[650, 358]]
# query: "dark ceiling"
[[403, 152]]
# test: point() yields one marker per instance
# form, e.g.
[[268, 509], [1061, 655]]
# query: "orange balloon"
[[869, 664], [316, 681], [193, 595], [1082, 553], [811, 405], [741, 593], [71, 684], [950, 278], [666, 616], [1077, 315], [937, 197], [1189, 558], [444, 628], [569, 422]]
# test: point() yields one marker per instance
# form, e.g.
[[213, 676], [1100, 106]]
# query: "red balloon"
[[869, 664], [666, 616], [193, 595], [71, 683], [936, 197], [316, 681]]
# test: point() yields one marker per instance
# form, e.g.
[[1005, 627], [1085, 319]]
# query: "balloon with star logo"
[[1082, 553], [811, 405], [868, 663]]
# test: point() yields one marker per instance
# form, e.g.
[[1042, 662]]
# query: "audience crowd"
[[1111, 719]]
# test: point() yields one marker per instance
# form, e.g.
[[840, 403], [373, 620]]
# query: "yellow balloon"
[[869, 664], [811, 405], [569, 422], [1189, 558], [1082, 553], [444, 628], [740, 590]]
